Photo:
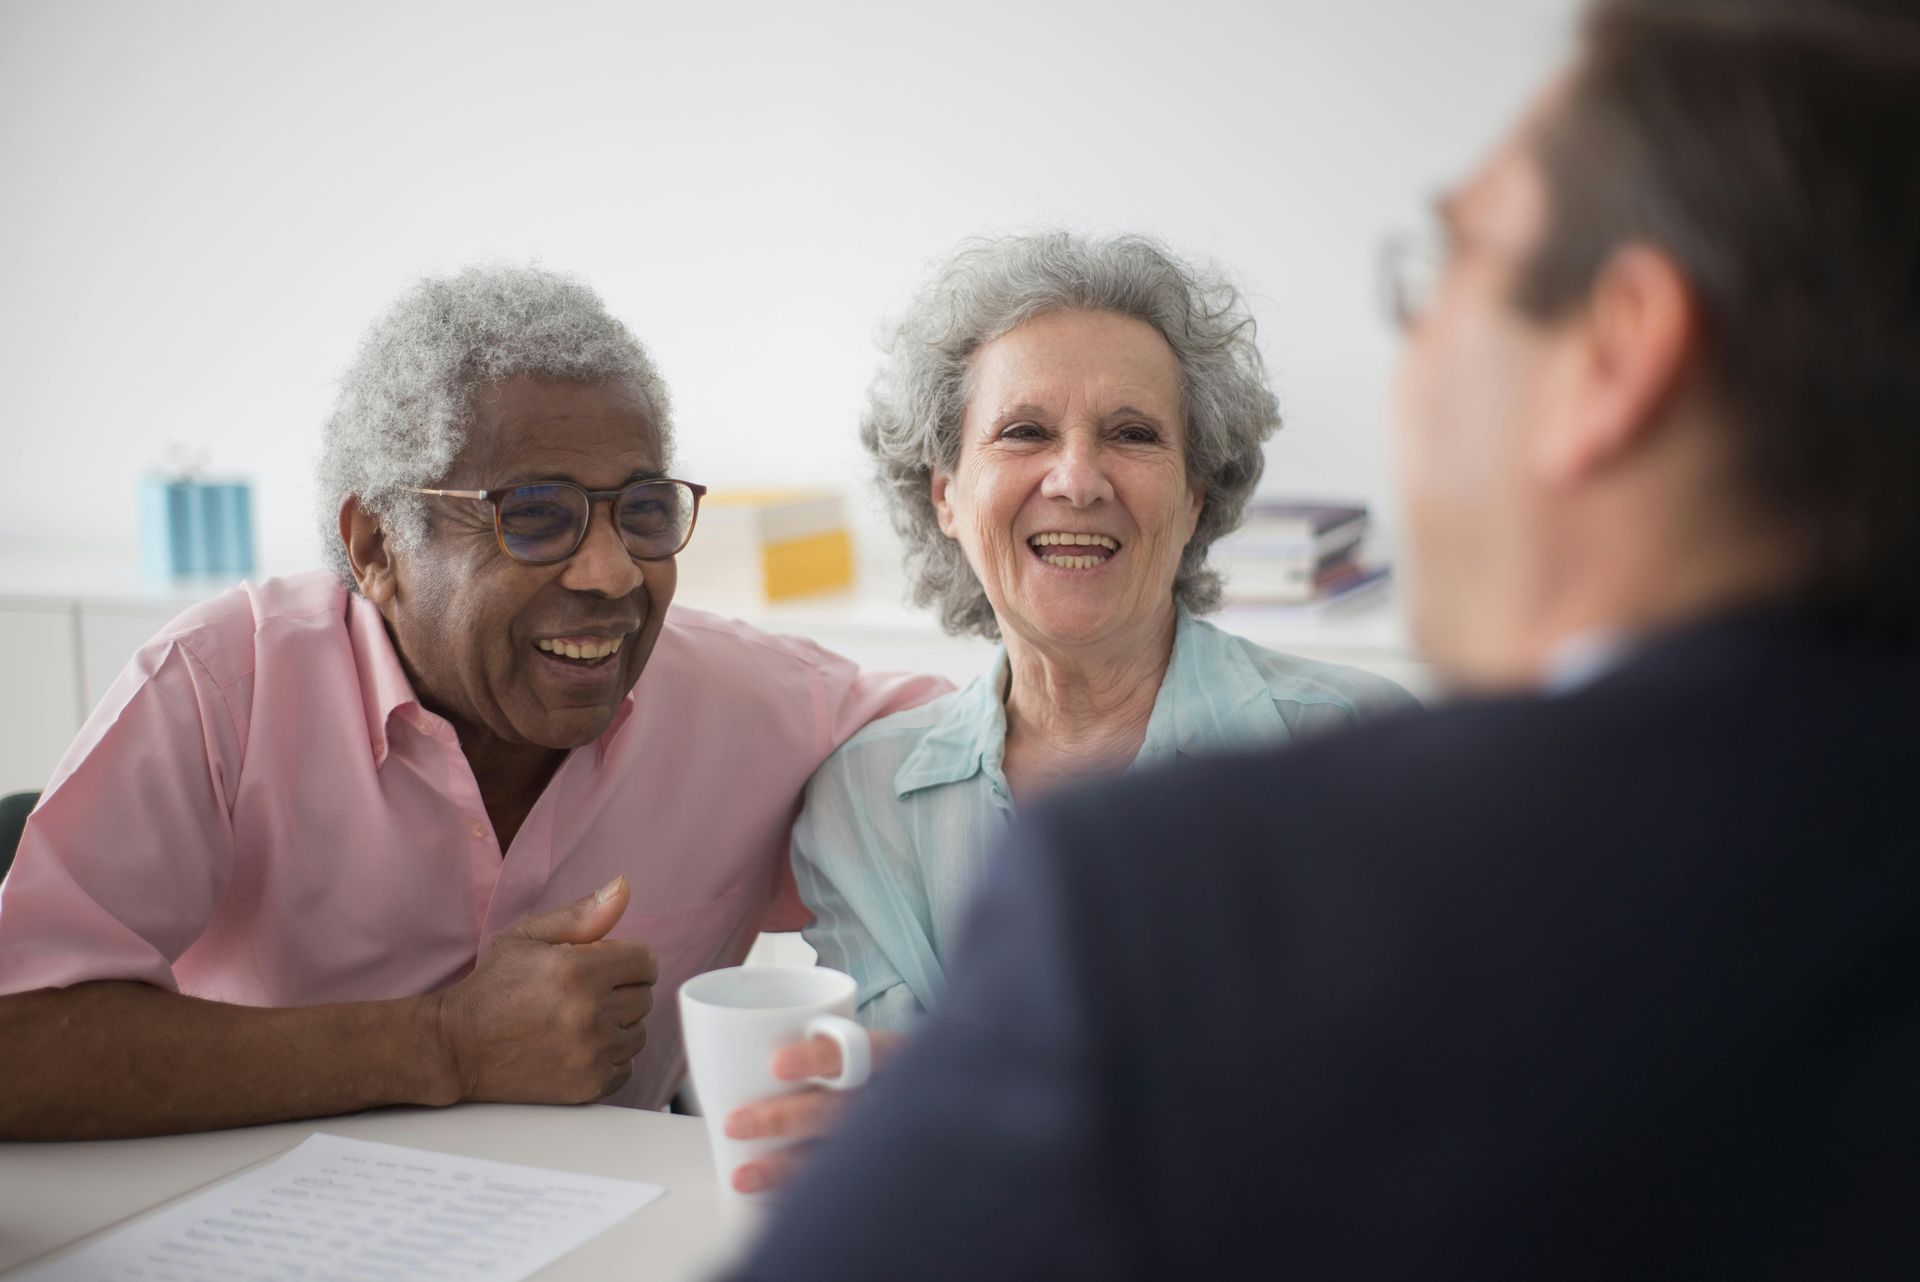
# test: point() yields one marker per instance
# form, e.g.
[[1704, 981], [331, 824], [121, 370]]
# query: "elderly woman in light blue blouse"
[[1062, 427]]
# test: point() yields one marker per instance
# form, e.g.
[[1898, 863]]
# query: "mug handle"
[[856, 1051]]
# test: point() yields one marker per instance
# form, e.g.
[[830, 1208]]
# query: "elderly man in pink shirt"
[[433, 825]]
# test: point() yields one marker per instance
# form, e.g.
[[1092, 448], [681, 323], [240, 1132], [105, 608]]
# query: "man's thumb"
[[583, 920]]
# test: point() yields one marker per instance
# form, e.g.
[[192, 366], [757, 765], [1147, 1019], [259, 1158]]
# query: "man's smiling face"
[[469, 621]]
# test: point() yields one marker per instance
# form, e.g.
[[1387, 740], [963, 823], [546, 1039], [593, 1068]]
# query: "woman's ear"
[[368, 551], [941, 507]]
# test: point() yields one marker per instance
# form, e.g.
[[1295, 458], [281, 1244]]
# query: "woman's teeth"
[[1069, 540], [1071, 561], [585, 648]]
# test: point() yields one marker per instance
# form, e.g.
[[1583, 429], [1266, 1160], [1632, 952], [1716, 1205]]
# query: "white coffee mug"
[[736, 1019]]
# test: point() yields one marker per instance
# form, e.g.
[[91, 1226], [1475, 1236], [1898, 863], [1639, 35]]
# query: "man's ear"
[[941, 508], [368, 551], [1630, 352]]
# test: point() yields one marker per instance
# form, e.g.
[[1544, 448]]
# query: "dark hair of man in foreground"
[[1768, 150]]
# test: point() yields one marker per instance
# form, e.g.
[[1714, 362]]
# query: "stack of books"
[[752, 547], [1288, 552]]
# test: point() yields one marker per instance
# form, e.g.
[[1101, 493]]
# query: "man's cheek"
[[1459, 452]]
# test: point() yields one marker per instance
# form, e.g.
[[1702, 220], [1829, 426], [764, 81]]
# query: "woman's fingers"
[[804, 1115], [769, 1172], [818, 1056]]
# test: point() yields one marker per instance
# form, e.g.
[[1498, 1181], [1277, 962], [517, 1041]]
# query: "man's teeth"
[[583, 649], [1070, 562]]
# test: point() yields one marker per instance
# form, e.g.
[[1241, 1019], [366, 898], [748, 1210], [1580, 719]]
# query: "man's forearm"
[[121, 1059]]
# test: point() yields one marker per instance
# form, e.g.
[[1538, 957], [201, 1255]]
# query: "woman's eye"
[[1022, 432], [1138, 435]]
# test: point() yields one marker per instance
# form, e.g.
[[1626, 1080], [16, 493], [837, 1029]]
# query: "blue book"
[[213, 528], [170, 528], [240, 528], [228, 527]]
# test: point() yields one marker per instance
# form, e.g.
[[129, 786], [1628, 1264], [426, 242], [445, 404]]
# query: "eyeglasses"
[[1413, 268], [545, 523]]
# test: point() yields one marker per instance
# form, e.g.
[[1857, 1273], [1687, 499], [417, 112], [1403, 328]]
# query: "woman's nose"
[[1078, 475]]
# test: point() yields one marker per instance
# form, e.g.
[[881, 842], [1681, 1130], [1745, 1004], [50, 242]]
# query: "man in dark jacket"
[[1607, 970]]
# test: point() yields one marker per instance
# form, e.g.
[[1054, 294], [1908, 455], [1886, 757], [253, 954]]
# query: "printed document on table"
[[347, 1209]]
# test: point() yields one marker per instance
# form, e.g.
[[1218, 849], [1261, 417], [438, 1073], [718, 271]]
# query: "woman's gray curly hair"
[[992, 285], [405, 403]]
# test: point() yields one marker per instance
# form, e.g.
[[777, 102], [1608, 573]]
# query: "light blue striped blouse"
[[900, 821]]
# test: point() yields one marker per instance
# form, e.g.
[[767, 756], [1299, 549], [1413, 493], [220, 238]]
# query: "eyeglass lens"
[[545, 522]]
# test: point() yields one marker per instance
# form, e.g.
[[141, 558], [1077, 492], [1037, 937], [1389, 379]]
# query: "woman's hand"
[[803, 1115]]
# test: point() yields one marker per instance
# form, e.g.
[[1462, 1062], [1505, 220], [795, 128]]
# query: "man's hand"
[[555, 1012], [804, 1115]]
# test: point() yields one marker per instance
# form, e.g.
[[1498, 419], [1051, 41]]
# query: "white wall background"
[[205, 203]]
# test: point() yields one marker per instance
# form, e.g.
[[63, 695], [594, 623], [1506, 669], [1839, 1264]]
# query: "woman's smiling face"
[[1070, 495]]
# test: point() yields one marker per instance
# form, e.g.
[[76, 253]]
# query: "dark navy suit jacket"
[[1621, 983]]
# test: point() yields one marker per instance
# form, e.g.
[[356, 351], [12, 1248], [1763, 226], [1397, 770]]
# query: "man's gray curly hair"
[[405, 402], [992, 285]]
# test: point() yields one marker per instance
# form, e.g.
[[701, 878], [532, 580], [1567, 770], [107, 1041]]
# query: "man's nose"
[[1079, 474], [601, 564]]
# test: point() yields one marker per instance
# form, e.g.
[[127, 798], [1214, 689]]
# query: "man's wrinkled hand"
[[803, 1115], [555, 1012]]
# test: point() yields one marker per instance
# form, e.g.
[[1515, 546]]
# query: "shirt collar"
[[1211, 697], [1577, 661], [970, 734], [384, 688], [604, 744]]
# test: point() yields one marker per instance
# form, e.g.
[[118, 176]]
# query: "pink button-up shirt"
[[261, 812]]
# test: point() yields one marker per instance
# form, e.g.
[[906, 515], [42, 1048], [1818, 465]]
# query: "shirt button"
[[479, 831]]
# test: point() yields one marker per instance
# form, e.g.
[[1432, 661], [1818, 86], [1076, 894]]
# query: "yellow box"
[[801, 567], [758, 546]]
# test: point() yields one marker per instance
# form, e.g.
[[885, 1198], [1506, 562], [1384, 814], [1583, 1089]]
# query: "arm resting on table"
[[110, 1059]]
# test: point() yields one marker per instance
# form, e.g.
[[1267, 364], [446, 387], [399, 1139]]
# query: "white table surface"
[[54, 1196]]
